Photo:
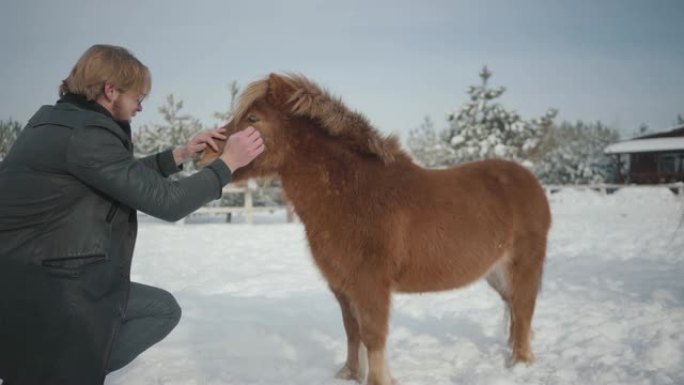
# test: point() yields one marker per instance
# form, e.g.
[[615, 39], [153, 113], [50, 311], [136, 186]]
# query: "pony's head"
[[285, 109]]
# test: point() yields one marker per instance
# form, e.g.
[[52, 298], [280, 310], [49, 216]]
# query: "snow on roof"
[[646, 145]]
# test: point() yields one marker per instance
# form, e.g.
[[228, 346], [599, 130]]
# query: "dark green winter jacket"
[[69, 191]]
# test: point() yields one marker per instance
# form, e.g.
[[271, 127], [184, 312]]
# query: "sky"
[[617, 61]]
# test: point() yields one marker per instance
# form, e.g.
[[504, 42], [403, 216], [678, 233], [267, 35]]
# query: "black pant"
[[152, 314]]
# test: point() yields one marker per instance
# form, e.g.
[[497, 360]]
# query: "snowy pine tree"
[[576, 154], [482, 129], [176, 130], [643, 130], [9, 131], [427, 147]]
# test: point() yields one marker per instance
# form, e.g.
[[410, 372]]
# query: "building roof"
[[646, 145], [672, 140]]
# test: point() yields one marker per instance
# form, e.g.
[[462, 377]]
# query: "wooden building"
[[650, 159]]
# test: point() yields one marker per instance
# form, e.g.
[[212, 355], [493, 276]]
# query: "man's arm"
[[171, 161], [98, 158], [163, 162]]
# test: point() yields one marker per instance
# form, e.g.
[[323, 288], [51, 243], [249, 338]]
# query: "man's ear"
[[109, 92]]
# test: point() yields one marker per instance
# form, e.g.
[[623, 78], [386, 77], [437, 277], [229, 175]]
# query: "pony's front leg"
[[371, 300], [351, 370]]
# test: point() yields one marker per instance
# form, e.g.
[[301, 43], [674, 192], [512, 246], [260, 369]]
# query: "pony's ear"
[[279, 89]]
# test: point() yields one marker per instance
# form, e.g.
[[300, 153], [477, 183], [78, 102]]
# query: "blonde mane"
[[302, 97]]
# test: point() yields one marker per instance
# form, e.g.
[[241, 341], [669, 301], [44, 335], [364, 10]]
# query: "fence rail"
[[606, 188], [248, 209]]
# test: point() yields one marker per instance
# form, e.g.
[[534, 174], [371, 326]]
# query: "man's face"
[[126, 105]]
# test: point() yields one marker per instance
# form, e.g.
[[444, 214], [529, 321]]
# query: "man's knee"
[[170, 307], [149, 301]]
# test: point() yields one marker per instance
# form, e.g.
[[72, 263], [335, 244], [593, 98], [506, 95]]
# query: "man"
[[69, 191]]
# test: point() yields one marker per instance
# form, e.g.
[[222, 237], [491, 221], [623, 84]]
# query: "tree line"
[[558, 153]]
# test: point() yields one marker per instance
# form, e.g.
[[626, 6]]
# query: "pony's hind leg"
[[499, 279], [352, 369], [525, 272]]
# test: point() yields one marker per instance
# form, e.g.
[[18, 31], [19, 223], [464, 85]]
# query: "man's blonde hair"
[[106, 63]]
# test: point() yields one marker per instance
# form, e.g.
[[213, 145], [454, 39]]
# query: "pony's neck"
[[324, 173], [320, 173]]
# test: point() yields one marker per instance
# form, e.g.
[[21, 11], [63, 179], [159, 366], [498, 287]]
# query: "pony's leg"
[[525, 272], [351, 369], [499, 279], [371, 300]]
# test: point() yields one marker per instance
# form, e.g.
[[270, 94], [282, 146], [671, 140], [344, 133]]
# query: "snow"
[[645, 145], [256, 311]]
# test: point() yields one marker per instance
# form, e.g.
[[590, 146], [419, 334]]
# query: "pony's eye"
[[252, 119]]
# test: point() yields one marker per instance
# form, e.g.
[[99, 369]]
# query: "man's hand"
[[242, 147], [198, 143]]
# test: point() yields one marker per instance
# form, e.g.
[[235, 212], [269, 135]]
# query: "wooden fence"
[[248, 209], [607, 188]]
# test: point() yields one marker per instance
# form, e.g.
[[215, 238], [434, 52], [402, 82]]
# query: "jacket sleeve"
[[99, 159], [162, 162]]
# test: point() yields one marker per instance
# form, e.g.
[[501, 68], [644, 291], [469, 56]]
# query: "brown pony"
[[377, 223]]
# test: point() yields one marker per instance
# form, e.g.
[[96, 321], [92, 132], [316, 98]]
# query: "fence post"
[[290, 213], [248, 205]]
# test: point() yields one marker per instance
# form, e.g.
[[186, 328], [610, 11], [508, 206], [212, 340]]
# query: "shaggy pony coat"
[[378, 223]]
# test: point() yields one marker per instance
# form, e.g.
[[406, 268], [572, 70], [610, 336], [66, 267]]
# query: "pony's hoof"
[[392, 382], [347, 374], [517, 357]]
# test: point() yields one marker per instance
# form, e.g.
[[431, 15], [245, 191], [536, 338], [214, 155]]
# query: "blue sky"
[[618, 61]]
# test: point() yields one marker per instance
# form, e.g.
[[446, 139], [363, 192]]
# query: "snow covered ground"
[[256, 311]]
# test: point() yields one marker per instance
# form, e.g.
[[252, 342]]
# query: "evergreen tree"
[[680, 120], [9, 131], [176, 130], [427, 147], [643, 129], [480, 129], [575, 154], [483, 128]]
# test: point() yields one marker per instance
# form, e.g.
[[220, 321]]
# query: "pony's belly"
[[434, 281], [424, 288], [439, 274]]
